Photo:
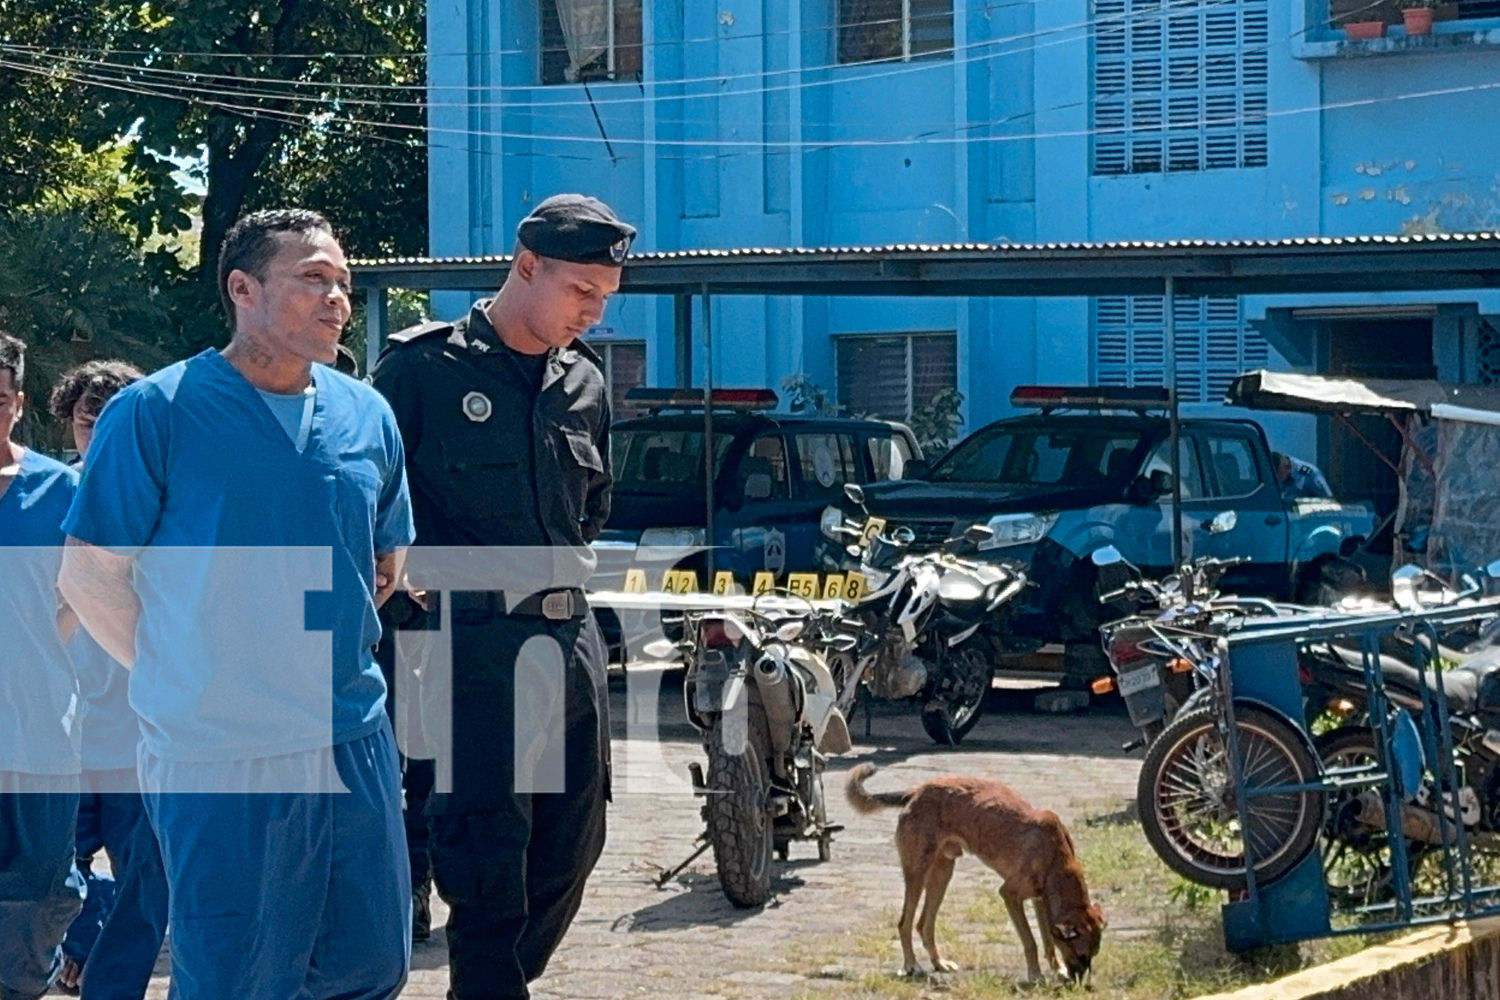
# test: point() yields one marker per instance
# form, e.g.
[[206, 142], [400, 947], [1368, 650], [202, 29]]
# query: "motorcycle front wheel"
[[1189, 808], [738, 810], [958, 701]]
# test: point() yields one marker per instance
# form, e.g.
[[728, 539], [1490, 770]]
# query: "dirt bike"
[[930, 626], [767, 707]]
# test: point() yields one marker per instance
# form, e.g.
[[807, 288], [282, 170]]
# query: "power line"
[[1167, 7], [805, 145]]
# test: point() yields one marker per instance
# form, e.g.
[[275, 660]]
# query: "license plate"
[[1139, 680]]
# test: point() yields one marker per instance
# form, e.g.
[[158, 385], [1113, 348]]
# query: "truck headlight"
[[830, 523], [673, 538], [1017, 529]]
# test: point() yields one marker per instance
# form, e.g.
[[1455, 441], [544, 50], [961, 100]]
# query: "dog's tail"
[[864, 802]]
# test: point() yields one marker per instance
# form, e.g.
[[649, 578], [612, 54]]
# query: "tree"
[[249, 83]]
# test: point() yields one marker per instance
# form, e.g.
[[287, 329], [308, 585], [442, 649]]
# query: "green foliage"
[[936, 424], [805, 395], [187, 78], [74, 290]]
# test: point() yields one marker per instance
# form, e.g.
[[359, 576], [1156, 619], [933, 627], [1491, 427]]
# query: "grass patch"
[[1164, 942]]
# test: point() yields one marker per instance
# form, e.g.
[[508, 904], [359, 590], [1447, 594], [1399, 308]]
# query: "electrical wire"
[[1166, 9]]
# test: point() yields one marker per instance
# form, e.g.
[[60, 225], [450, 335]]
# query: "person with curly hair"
[[112, 946], [80, 394]]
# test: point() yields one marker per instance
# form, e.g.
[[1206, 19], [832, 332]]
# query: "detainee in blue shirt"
[[241, 517], [40, 892], [111, 948]]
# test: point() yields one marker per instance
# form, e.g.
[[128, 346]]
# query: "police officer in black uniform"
[[505, 417]]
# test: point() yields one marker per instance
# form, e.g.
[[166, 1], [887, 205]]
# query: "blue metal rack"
[[1262, 667]]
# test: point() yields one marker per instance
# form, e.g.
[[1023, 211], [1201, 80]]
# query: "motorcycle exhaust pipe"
[[775, 684], [1416, 824]]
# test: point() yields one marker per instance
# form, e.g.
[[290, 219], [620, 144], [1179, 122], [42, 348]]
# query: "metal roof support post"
[[682, 340], [708, 431], [1169, 336], [377, 314]]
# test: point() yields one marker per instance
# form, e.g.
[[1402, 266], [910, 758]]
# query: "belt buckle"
[[557, 605]]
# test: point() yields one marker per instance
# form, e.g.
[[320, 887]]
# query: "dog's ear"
[[1064, 932], [1096, 916]]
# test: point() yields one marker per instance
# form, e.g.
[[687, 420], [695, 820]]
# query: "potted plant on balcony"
[[1418, 15], [1364, 31]]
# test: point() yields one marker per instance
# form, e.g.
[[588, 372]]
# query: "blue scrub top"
[[254, 559], [38, 688]]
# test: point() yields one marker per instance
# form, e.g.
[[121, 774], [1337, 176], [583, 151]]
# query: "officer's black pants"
[[416, 789], [511, 863]]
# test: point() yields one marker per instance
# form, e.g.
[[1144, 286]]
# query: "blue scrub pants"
[[287, 896], [117, 941], [40, 890]]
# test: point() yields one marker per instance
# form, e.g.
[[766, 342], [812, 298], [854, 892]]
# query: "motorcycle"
[[930, 627], [1189, 805], [1152, 680], [1358, 856], [766, 704]]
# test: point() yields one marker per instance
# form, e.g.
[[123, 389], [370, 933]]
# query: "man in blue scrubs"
[[241, 518], [111, 948], [40, 892]]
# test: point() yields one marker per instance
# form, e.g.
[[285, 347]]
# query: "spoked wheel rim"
[[1356, 859], [965, 688], [1195, 801], [754, 807]]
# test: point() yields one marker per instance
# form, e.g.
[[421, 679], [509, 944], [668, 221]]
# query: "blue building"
[[835, 122]]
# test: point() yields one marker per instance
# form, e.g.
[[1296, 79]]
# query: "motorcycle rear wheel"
[[1188, 808], [738, 810]]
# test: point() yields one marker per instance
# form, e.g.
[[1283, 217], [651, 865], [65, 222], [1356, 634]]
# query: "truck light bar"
[[692, 399], [1090, 397]]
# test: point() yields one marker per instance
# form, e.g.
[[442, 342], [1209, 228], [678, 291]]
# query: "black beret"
[[577, 228]]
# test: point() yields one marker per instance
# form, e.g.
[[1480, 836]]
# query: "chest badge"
[[477, 407]]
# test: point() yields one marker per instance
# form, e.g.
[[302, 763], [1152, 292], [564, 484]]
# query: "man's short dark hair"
[[13, 358], [251, 243], [91, 383]]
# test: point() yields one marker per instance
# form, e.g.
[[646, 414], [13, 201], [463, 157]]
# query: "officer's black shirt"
[[523, 462]]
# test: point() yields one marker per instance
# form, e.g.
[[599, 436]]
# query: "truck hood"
[[922, 500]]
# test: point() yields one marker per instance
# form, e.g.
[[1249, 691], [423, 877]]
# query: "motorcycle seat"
[[1461, 684]]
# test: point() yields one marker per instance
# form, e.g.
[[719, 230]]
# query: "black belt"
[[554, 605]]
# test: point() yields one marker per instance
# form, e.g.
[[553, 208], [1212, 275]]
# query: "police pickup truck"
[[1094, 468]]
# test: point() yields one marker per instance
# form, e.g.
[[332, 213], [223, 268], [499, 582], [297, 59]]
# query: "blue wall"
[[736, 160]]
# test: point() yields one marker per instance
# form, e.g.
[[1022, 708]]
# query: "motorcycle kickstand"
[[662, 880], [864, 696]]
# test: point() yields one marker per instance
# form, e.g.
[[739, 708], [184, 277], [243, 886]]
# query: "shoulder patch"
[[420, 332]]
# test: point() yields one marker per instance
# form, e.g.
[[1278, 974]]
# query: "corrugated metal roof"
[[1129, 267], [891, 249]]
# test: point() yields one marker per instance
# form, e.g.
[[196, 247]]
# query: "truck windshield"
[[1074, 456], [662, 460]]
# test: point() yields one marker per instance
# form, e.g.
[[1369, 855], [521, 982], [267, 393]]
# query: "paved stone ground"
[[686, 941]]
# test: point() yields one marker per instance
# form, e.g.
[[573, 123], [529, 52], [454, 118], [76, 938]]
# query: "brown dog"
[[1028, 848]]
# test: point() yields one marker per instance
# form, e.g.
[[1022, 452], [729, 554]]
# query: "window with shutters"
[[1179, 85], [888, 376], [1213, 344], [604, 42], [885, 30], [624, 369]]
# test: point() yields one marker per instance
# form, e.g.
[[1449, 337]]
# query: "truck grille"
[[930, 534]]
